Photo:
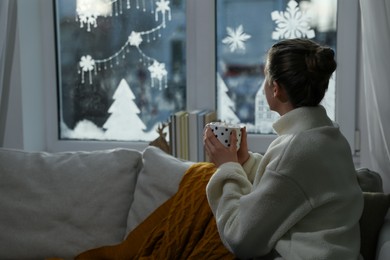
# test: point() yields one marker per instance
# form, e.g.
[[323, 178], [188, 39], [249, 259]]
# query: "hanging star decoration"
[[158, 72], [236, 39], [163, 7], [292, 23]]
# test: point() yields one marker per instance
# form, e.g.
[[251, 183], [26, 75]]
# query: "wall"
[[25, 119]]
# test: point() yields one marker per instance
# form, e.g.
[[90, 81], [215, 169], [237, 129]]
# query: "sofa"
[[62, 204]]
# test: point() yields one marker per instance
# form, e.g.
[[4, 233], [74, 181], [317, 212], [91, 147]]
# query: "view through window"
[[121, 67], [245, 30]]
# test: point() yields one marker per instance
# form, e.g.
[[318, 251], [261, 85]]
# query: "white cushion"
[[61, 204], [158, 180]]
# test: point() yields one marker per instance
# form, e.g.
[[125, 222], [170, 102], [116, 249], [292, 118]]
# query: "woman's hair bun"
[[325, 60]]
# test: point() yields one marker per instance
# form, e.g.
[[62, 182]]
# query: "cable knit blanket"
[[182, 228]]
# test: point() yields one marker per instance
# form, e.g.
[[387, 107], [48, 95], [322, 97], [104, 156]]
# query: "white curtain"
[[375, 33], [7, 43]]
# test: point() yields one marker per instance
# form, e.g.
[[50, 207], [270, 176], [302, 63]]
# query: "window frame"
[[201, 75]]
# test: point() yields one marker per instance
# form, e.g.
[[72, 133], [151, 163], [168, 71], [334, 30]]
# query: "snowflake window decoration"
[[135, 39], [158, 72], [236, 39], [292, 23], [88, 18], [87, 64], [89, 10], [163, 6]]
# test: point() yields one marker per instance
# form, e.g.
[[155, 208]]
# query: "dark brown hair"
[[303, 68]]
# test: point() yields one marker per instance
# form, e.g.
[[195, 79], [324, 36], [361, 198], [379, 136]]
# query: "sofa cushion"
[[158, 180], [61, 204], [376, 205]]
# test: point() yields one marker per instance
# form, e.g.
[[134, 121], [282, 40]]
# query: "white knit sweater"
[[301, 198]]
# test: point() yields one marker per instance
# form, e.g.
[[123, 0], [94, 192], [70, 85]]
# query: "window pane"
[[245, 30], [121, 67]]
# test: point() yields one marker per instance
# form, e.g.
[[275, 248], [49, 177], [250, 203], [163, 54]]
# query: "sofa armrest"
[[383, 245]]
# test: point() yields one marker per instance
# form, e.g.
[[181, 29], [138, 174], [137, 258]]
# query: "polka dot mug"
[[223, 131]]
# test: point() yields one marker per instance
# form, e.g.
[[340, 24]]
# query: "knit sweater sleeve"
[[250, 219], [251, 165]]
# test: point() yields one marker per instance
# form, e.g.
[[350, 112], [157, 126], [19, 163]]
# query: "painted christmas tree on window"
[[226, 111], [123, 116]]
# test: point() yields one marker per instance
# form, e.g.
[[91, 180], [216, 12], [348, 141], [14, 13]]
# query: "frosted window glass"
[[121, 67]]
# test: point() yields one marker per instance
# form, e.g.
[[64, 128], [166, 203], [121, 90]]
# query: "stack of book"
[[186, 133]]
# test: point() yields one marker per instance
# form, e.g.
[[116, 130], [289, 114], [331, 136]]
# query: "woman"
[[301, 199]]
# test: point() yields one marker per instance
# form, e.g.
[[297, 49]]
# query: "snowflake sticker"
[[87, 13], [236, 39], [87, 64], [89, 19], [158, 72], [135, 39], [292, 23]]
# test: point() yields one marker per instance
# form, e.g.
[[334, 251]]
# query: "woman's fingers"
[[233, 141]]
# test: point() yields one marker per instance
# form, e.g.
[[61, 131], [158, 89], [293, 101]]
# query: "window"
[[121, 67], [198, 42]]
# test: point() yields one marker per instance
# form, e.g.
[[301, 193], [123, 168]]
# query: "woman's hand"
[[219, 154]]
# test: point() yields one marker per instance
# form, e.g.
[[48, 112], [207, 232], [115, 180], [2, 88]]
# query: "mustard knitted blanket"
[[182, 228]]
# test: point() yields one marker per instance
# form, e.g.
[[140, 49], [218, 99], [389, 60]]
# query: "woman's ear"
[[279, 92]]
